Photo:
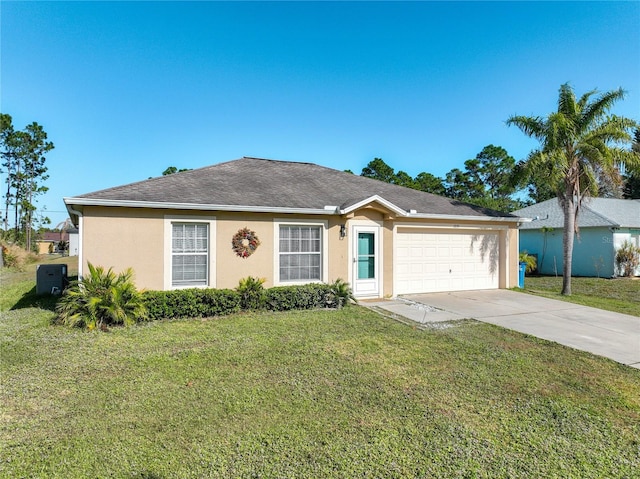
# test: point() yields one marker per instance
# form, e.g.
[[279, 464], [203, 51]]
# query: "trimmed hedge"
[[191, 303], [202, 303], [304, 296]]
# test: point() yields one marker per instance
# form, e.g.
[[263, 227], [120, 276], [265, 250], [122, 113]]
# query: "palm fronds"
[[579, 148], [101, 299]]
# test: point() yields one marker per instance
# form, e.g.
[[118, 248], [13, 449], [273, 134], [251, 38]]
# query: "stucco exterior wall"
[[45, 246], [387, 279], [133, 237], [120, 238], [230, 267], [593, 251], [338, 249], [136, 237], [513, 237]]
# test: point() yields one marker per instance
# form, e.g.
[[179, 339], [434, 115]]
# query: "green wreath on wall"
[[245, 242]]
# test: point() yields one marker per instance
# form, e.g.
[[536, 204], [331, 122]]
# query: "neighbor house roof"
[[253, 184], [595, 212], [49, 236]]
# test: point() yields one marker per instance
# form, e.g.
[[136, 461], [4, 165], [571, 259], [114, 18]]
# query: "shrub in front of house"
[[627, 259], [217, 302], [101, 299], [191, 303], [179, 303], [309, 296], [342, 293], [251, 293], [302, 296]]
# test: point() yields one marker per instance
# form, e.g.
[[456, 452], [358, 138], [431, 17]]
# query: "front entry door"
[[366, 261]]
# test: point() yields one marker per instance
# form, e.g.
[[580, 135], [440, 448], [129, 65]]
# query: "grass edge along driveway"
[[308, 394], [621, 295]]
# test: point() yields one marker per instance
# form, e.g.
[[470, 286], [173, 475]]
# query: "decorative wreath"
[[245, 242]]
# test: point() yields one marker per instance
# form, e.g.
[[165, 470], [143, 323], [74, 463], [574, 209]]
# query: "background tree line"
[[493, 179], [23, 162]]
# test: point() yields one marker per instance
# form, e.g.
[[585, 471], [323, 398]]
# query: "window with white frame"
[[189, 254], [300, 253]]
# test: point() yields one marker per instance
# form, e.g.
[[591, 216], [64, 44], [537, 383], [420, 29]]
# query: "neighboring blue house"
[[605, 223]]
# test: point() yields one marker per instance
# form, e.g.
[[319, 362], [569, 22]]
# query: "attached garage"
[[428, 261]]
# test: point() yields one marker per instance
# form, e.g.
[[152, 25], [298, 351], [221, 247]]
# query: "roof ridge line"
[[276, 160]]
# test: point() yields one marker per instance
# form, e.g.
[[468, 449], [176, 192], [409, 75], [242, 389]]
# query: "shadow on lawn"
[[43, 301], [32, 300]]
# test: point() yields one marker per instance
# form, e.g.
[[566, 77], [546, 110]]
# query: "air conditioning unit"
[[51, 278]]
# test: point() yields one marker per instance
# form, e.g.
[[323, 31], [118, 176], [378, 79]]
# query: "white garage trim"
[[429, 259], [440, 226]]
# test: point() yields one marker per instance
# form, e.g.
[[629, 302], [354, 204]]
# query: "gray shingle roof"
[[279, 184], [607, 212]]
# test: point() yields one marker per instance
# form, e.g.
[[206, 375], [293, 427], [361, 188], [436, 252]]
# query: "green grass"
[[307, 394], [19, 286], [28, 273], [621, 294]]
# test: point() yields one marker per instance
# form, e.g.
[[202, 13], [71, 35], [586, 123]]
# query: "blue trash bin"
[[521, 270]]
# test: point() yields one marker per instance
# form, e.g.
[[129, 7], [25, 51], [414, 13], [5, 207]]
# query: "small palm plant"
[[101, 299], [529, 260], [251, 292], [342, 292]]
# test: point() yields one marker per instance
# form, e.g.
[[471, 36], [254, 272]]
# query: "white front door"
[[366, 261]]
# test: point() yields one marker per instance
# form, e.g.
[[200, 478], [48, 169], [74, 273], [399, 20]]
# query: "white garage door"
[[447, 261]]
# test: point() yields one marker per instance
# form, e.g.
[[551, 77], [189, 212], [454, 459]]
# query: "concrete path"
[[612, 335]]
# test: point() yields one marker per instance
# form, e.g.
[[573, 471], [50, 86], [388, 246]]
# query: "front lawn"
[[28, 272], [620, 294], [308, 394], [19, 286]]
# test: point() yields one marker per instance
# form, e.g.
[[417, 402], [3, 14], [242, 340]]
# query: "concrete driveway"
[[612, 335]]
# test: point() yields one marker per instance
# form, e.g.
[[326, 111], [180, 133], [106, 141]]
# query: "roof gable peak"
[[352, 206]]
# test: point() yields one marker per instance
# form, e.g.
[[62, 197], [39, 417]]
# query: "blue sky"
[[126, 89]]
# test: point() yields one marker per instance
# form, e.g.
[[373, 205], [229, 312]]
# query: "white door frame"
[[371, 287]]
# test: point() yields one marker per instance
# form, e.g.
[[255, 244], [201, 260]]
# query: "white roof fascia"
[[192, 206], [371, 199], [504, 219], [72, 202]]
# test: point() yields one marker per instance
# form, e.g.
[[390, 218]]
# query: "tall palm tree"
[[577, 142]]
